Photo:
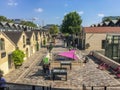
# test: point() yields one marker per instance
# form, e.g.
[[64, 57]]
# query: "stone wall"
[[95, 40], [9, 48], [105, 59]]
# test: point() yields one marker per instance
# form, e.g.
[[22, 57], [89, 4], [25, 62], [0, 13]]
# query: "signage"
[[3, 54]]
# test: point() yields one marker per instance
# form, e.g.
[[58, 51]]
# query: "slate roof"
[[13, 35], [29, 34], [101, 29]]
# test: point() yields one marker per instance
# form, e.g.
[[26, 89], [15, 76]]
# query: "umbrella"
[[69, 54]]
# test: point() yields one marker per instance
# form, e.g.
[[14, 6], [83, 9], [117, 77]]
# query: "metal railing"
[[16, 86], [100, 87]]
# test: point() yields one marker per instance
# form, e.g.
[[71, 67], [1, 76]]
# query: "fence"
[[101, 87]]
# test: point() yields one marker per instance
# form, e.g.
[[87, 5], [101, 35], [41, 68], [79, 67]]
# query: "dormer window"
[[33, 37], [2, 44]]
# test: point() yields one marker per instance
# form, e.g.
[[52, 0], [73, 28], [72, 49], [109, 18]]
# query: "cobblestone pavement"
[[26, 67], [88, 74]]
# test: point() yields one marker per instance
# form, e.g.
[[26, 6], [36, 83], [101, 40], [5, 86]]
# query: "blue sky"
[[53, 11]]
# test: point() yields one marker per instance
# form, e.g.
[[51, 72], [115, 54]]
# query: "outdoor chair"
[[103, 66], [115, 71]]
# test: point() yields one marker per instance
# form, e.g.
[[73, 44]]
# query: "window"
[[33, 37], [23, 39], [2, 44], [103, 44], [115, 51]]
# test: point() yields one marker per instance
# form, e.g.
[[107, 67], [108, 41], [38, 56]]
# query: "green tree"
[[54, 29], [28, 23], [107, 19], [18, 57], [3, 18], [71, 23]]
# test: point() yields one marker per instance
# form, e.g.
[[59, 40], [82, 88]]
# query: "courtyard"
[[31, 73]]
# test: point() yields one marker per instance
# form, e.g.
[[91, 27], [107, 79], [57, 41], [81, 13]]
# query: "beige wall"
[[39, 40], [9, 48], [33, 43], [20, 42], [95, 40], [22, 45]]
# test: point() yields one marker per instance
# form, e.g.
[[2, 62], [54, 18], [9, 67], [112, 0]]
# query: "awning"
[[69, 54]]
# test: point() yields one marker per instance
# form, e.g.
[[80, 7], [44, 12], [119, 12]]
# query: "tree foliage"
[[71, 23], [4, 19], [18, 57], [54, 29], [28, 23]]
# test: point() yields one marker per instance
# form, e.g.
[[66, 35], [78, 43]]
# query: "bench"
[[59, 71], [67, 63]]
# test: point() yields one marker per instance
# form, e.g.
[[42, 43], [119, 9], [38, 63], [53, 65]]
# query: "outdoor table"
[[59, 71], [66, 63]]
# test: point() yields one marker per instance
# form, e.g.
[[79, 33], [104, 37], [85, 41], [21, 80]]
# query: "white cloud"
[[65, 13], [80, 12], [12, 3], [35, 18], [101, 15], [66, 5], [57, 17], [38, 10]]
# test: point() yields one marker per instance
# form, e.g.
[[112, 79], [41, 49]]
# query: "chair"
[[115, 71], [103, 66], [118, 75]]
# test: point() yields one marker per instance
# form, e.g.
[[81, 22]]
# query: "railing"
[[101, 87], [16, 86]]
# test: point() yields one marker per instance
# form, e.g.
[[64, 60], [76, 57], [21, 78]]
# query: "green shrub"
[[18, 57], [44, 42]]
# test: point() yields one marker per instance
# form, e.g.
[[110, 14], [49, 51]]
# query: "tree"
[[18, 57], [107, 19], [28, 23], [54, 29], [3, 18], [71, 23]]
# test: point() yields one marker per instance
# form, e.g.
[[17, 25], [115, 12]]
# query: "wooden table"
[[66, 63], [59, 71]]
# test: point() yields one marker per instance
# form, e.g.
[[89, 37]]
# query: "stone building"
[[7, 46], [31, 41], [94, 37], [38, 39]]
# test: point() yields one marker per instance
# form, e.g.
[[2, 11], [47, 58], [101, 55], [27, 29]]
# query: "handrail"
[[33, 86]]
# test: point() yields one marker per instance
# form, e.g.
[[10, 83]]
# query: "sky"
[[44, 12]]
